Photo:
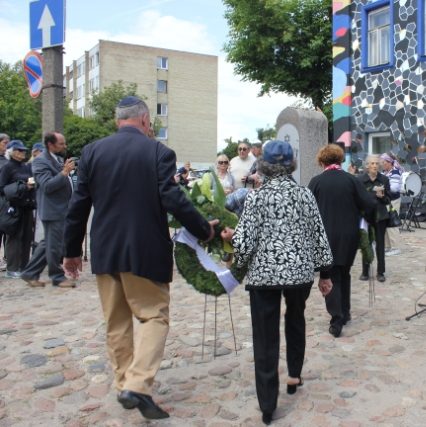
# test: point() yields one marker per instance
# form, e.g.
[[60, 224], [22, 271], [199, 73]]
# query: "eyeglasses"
[[222, 162], [242, 149]]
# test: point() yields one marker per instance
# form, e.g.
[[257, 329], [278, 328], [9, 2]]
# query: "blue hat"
[[182, 170], [38, 146], [16, 144], [129, 101], [278, 152]]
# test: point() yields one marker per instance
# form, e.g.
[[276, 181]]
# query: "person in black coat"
[[18, 246], [129, 180], [378, 187], [341, 200]]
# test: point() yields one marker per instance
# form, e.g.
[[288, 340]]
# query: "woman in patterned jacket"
[[281, 238]]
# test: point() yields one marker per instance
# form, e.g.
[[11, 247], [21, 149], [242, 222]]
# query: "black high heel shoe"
[[292, 388], [267, 418]]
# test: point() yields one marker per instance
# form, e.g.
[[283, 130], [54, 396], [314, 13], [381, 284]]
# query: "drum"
[[411, 184]]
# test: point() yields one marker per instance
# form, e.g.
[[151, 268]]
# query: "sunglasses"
[[222, 162], [242, 149]]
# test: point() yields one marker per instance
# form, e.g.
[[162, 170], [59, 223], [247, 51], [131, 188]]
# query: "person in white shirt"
[[240, 165]]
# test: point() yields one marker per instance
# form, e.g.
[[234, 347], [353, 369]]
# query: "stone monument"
[[307, 132]]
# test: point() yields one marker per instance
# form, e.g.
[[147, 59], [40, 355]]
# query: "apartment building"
[[180, 89]]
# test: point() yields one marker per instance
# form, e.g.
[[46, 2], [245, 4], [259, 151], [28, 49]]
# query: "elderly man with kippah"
[[129, 179]]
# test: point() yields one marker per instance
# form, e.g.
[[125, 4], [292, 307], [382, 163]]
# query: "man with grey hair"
[[129, 180]]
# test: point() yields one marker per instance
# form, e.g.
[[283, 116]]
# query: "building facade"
[[379, 72], [180, 89]]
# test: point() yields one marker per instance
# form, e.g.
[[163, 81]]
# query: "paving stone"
[[53, 343], [51, 381], [220, 370], [34, 360]]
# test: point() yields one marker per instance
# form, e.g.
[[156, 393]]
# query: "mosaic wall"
[[341, 72], [393, 99]]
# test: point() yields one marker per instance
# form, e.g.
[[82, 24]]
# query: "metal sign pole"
[[52, 95]]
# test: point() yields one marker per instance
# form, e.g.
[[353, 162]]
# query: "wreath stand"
[[371, 287], [215, 326]]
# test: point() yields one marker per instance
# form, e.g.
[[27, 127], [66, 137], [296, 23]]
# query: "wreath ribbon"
[[224, 275]]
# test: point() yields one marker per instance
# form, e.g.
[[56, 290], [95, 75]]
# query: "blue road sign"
[[47, 23], [33, 71]]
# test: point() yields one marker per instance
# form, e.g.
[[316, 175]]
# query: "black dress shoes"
[[347, 318], [145, 404], [363, 277], [335, 330], [381, 278]]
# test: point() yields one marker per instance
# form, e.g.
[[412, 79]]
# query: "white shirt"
[[240, 168]]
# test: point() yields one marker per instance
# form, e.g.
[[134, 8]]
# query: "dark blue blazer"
[[129, 179]]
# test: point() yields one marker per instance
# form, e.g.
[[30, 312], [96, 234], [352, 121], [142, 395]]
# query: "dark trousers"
[[265, 316], [379, 230], [18, 246], [48, 252], [338, 301]]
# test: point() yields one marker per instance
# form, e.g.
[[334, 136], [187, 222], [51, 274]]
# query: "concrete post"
[[52, 95]]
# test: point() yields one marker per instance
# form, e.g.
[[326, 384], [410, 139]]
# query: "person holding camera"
[[54, 190]]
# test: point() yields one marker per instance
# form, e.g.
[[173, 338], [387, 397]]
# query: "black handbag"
[[10, 217], [394, 220]]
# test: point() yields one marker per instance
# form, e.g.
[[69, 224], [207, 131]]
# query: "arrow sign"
[[33, 71], [47, 23]]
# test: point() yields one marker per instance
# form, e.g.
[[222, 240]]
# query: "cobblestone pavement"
[[54, 369]]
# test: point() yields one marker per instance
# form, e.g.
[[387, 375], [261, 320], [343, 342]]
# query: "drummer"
[[393, 170]]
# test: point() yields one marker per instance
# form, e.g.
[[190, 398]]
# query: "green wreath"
[[211, 204]]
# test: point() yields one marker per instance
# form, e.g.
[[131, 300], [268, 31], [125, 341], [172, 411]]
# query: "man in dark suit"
[[341, 200], [129, 180], [54, 189]]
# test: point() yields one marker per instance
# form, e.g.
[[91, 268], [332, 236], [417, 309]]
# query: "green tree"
[[20, 115], [80, 132], [284, 45], [103, 103], [265, 134]]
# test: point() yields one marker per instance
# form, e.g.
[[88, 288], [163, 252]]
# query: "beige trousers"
[[392, 237], [135, 352]]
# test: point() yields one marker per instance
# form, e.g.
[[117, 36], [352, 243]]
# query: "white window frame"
[[158, 86], [165, 135], [164, 109], [379, 39], [374, 135], [162, 63]]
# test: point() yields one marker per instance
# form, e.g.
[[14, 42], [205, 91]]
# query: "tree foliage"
[[265, 134], [80, 132], [20, 115], [104, 103], [284, 45]]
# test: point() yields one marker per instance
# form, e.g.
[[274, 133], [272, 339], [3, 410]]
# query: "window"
[[96, 59], [162, 86], [80, 69], [161, 109], [71, 74], [71, 96], [379, 142], [162, 63], [377, 36], [162, 133]]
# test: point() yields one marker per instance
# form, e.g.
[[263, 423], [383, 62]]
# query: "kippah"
[[129, 101]]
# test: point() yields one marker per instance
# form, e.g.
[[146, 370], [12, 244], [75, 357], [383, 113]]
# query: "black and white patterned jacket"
[[280, 236]]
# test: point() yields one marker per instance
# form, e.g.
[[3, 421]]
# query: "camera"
[[75, 160]]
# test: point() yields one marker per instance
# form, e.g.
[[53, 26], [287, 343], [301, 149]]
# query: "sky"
[[190, 25]]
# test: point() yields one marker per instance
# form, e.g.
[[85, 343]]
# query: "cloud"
[[240, 110]]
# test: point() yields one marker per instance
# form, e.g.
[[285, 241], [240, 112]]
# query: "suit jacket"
[[341, 200], [53, 189], [129, 179]]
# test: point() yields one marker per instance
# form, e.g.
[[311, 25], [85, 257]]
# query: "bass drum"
[[411, 184]]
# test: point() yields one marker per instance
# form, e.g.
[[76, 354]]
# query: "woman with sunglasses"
[[225, 178]]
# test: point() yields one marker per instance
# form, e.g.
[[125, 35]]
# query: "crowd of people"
[[286, 232]]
